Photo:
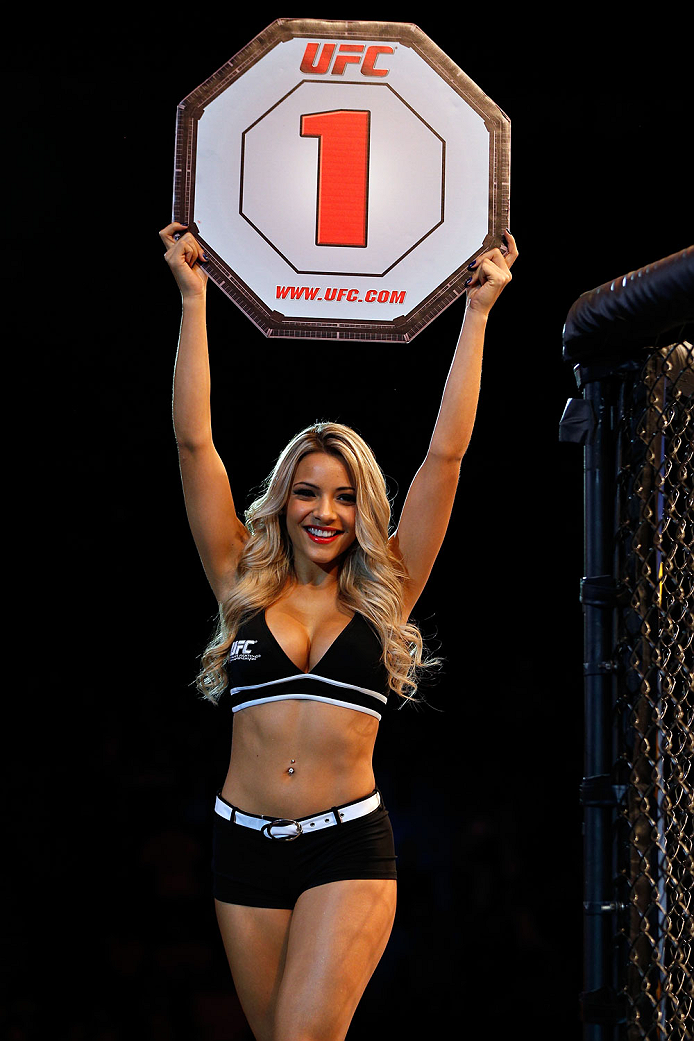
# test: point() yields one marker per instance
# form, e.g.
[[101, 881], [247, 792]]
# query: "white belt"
[[284, 828]]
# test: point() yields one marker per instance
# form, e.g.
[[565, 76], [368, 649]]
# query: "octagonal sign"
[[340, 177]]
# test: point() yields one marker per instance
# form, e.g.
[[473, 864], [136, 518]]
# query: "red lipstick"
[[330, 534]]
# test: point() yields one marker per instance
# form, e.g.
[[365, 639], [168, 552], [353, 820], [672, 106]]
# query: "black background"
[[116, 761]]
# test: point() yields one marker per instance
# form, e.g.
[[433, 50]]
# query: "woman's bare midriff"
[[329, 751]]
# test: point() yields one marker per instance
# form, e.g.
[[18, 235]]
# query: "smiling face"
[[321, 510]]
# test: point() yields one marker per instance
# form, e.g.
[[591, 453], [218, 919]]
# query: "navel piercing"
[[291, 768]]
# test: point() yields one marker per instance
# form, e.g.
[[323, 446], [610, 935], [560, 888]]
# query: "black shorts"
[[256, 871]]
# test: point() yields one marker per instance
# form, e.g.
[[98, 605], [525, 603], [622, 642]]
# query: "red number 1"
[[343, 175]]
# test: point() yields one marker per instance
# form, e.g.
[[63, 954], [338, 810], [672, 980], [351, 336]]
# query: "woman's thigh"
[[255, 940], [337, 935]]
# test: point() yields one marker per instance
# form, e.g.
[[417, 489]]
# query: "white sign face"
[[341, 176]]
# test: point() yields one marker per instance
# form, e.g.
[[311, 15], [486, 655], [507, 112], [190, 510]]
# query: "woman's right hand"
[[184, 256]]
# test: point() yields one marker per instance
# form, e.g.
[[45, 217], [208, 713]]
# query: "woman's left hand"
[[490, 273]]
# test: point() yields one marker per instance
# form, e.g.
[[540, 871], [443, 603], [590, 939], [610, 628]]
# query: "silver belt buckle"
[[281, 822]]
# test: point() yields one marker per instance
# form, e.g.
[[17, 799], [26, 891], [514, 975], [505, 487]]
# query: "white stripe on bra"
[[311, 676], [305, 697]]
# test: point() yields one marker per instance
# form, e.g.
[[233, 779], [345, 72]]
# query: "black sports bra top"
[[350, 674]]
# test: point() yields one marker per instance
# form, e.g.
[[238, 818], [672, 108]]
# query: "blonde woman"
[[315, 596]]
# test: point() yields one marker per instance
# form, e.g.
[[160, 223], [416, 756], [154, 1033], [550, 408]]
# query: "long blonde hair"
[[371, 577]]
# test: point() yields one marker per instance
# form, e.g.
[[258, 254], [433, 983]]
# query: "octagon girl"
[[314, 636]]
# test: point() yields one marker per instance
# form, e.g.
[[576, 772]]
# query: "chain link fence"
[[636, 422], [654, 712]]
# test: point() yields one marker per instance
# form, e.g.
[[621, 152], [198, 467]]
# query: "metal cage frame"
[[630, 342]]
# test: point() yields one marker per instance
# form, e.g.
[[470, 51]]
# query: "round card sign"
[[340, 177]]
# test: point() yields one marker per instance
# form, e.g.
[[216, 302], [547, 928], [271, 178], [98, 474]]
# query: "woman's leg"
[[255, 940], [337, 934]]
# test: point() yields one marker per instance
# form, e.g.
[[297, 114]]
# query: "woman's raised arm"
[[219, 534], [427, 509]]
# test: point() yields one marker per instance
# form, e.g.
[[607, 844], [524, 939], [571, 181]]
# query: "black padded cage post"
[[630, 343]]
